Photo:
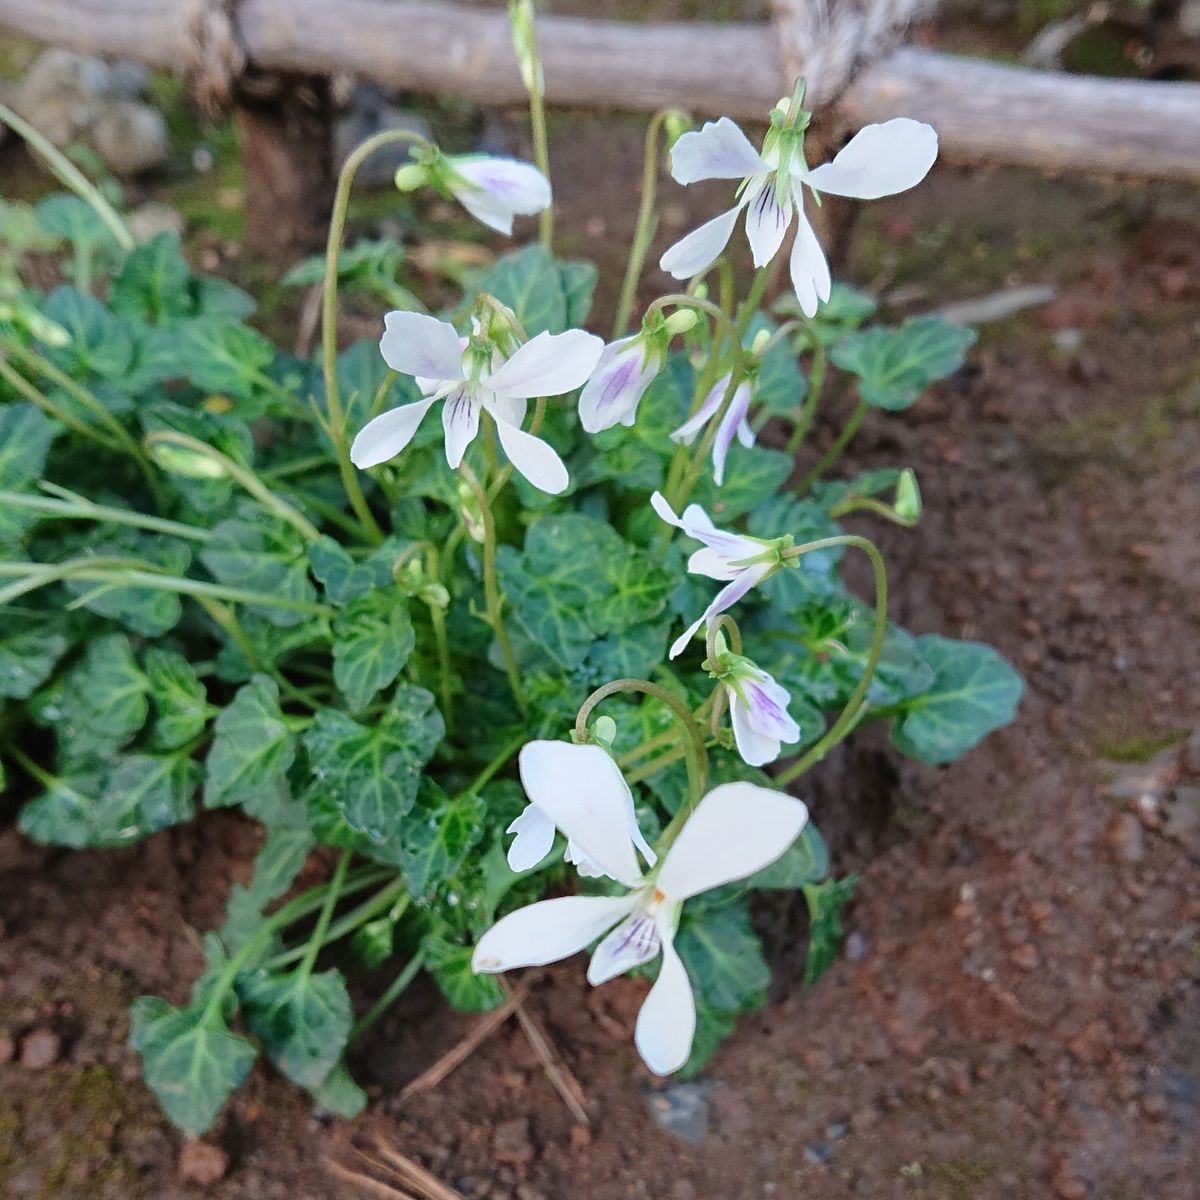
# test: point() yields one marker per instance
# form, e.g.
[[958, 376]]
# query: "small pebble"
[[7, 1049], [202, 1163], [817, 1153], [512, 1143], [40, 1049]]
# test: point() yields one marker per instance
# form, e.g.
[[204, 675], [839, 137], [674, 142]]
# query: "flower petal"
[[387, 434], [503, 188], [879, 160], [548, 365], [460, 423], [696, 523], [622, 375], [727, 597], [583, 792], [687, 432], [536, 460], [810, 270], [737, 829], [720, 150], [700, 248], [731, 422], [415, 344], [755, 747], [712, 564], [666, 1024], [768, 215], [635, 941], [534, 840], [547, 931]]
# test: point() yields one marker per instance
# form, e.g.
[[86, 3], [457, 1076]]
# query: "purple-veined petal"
[[719, 150], [755, 747], [666, 1024], [746, 434], [416, 344], [635, 941], [538, 461], [879, 160], [502, 188], [697, 524], [548, 365], [431, 386], [387, 434], [768, 215], [737, 829], [583, 792], [734, 418], [534, 840], [547, 931], [622, 375], [726, 598], [712, 564], [687, 432], [809, 268], [507, 408], [460, 421], [700, 248]]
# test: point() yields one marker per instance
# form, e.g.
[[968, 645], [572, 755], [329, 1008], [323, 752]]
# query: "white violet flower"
[[627, 367], [758, 709], [492, 190], [471, 376], [735, 830], [880, 160], [733, 423], [742, 560], [544, 766]]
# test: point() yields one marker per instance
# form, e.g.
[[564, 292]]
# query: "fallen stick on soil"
[[413, 1175], [557, 1071], [484, 1028], [367, 1182]]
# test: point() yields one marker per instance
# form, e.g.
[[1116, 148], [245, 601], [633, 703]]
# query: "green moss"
[[1139, 748], [959, 1178]]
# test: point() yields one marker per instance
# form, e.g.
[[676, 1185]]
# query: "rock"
[[130, 137], [1125, 839], [681, 1109], [202, 1163], [7, 1049], [154, 218], [370, 112], [511, 1142], [40, 1049]]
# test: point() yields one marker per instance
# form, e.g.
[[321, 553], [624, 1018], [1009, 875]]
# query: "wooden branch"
[[983, 112]]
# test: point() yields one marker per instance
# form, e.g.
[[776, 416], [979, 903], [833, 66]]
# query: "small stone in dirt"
[[837, 1130], [7, 1049], [40, 1049], [1125, 839], [817, 1153], [511, 1143], [1024, 956], [202, 1163], [681, 1109]]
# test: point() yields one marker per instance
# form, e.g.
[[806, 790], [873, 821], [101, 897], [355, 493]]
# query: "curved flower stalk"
[[742, 560], [590, 770], [734, 423], [627, 367], [492, 190], [735, 830], [472, 376], [880, 160], [758, 708]]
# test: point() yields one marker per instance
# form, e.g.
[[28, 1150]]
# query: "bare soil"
[[1017, 1009]]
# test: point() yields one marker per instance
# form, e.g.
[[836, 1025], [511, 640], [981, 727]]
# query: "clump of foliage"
[[205, 603]]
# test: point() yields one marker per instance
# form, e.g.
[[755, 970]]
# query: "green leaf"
[[104, 703], [190, 1059], [974, 691], [225, 356], [374, 942], [640, 590], [780, 384], [846, 309], [450, 966], [545, 294], [339, 1093], [284, 851], [578, 281], [303, 1020], [372, 640], [713, 1026], [372, 773], [228, 434], [73, 218], [825, 903], [29, 652], [631, 655], [251, 753], [152, 284], [262, 554], [894, 366], [806, 860], [751, 476], [99, 345], [216, 297], [25, 437], [178, 695], [154, 358], [723, 958], [437, 839], [346, 579]]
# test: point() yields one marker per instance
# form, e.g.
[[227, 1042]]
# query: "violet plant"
[[377, 601]]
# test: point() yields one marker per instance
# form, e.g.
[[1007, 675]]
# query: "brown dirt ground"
[[1017, 1010]]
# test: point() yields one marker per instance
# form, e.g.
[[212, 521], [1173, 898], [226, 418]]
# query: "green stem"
[[36, 397], [273, 503], [871, 505], [496, 764], [835, 451], [389, 997], [317, 938], [857, 704], [333, 250], [643, 231], [493, 597], [382, 900], [816, 384], [80, 508], [70, 175], [693, 745]]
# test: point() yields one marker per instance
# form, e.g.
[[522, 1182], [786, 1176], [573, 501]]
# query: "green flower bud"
[[604, 730], [682, 320], [908, 497], [411, 176]]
